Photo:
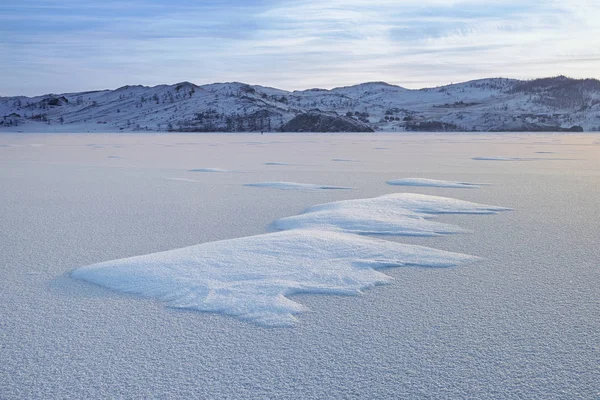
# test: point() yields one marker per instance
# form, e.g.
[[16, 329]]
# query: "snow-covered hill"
[[483, 105]]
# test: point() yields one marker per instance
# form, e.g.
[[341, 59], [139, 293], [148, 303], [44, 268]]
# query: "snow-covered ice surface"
[[433, 183], [520, 322], [295, 186]]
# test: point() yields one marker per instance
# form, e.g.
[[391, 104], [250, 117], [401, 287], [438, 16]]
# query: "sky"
[[72, 45]]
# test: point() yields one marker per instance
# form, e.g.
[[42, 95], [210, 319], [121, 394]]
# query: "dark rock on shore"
[[320, 122]]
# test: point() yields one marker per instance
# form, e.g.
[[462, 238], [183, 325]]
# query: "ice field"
[[167, 266]]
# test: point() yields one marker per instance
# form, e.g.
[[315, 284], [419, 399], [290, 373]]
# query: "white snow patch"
[[501, 159], [316, 252], [250, 277], [393, 214], [295, 186], [209, 170], [276, 163], [433, 183], [343, 160], [520, 159]]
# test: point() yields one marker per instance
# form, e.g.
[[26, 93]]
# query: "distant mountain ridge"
[[494, 104]]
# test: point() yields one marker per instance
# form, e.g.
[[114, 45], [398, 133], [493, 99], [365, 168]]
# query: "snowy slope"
[[482, 105]]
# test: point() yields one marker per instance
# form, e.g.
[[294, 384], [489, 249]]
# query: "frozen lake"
[[519, 322]]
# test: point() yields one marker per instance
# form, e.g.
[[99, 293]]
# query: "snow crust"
[[433, 183], [316, 252], [296, 186], [406, 214], [250, 277]]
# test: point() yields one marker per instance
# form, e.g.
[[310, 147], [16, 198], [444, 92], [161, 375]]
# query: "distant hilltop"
[[496, 104]]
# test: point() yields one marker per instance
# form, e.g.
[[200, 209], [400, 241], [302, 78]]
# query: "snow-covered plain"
[[520, 321]]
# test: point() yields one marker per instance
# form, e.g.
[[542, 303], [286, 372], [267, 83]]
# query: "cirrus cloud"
[[68, 45]]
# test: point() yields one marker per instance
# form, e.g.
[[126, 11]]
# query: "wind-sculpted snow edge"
[[322, 251]]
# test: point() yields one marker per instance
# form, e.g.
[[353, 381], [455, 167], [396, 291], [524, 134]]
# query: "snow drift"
[[316, 252], [433, 183]]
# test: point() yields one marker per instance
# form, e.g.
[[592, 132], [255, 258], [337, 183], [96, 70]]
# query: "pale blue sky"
[[73, 45]]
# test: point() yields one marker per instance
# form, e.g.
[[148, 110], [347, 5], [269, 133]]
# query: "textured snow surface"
[[519, 323], [249, 277], [296, 186], [393, 214], [433, 183]]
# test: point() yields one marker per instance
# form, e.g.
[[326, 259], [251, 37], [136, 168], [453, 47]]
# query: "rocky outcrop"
[[529, 127], [54, 101], [320, 122], [432, 126]]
